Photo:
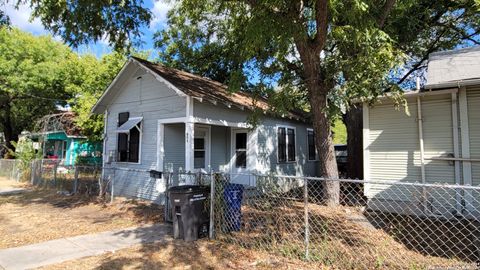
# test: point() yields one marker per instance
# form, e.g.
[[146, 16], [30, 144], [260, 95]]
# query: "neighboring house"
[[165, 119], [60, 139], [438, 142]]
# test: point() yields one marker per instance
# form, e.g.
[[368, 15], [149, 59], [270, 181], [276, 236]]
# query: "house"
[[159, 118], [60, 139], [437, 141]]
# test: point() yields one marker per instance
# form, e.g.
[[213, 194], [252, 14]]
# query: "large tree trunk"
[[353, 120], [324, 144]]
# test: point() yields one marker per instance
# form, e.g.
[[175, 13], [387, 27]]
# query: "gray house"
[[162, 118], [438, 141]]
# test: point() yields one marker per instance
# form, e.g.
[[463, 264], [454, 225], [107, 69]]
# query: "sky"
[[21, 18]]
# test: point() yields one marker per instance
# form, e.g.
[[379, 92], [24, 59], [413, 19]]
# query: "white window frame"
[[128, 144], [286, 143], [308, 146], [207, 146]]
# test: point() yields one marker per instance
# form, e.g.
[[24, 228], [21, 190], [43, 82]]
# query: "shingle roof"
[[204, 88], [453, 66]]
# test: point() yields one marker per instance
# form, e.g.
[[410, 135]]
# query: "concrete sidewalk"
[[60, 250], [11, 191]]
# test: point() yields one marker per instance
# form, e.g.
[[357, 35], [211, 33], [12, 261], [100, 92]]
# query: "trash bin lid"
[[188, 189]]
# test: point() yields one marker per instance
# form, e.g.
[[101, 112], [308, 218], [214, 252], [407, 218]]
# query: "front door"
[[239, 162]]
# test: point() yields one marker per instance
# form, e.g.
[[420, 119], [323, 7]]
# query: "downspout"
[[422, 150], [456, 152]]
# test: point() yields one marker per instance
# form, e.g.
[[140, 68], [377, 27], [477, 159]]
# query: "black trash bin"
[[190, 211]]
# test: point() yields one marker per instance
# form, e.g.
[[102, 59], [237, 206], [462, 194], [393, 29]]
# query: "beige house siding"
[[473, 100]]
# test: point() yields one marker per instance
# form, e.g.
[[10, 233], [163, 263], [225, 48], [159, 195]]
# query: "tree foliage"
[[32, 80]]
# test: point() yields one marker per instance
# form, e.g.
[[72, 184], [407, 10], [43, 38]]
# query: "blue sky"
[[21, 18]]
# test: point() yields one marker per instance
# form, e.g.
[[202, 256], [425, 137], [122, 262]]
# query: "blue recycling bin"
[[233, 195]]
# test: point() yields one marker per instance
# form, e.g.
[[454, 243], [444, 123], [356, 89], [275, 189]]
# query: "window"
[[129, 135], [199, 153], [241, 150], [312, 151], [286, 144]]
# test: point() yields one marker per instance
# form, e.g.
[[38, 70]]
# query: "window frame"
[[286, 127], [139, 127], [314, 146]]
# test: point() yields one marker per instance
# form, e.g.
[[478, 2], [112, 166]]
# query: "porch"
[[203, 145]]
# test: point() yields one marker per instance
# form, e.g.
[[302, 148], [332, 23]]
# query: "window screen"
[[291, 144], [241, 150], [199, 153], [282, 144], [122, 142]]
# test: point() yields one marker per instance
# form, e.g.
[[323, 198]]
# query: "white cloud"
[[160, 9], [21, 18]]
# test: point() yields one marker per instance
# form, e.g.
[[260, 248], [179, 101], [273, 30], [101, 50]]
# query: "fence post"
[[212, 206], [113, 184], [307, 226], [33, 168], [75, 180], [55, 174]]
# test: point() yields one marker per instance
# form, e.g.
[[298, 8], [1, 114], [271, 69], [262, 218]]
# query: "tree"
[[31, 80], [418, 29], [88, 78], [304, 47]]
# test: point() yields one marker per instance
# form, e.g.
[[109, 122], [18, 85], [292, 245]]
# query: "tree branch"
[[387, 8]]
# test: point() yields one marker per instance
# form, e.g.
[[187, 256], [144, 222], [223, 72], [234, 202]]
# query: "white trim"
[[176, 120], [105, 138], [219, 122], [208, 148], [140, 130], [286, 143], [308, 148], [148, 70], [421, 93], [465, 134], [160, 146], [161, 79], [110, 86], [189, 136], [366, 146], [233, 151]]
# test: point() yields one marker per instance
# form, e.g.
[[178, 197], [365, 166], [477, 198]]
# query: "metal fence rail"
[[376, 225]]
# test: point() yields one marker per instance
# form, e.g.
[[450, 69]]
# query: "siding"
[[395, 150], [473, 99], [152, 100], [219, 112], [220, 147], [267, 150], [174, 146]]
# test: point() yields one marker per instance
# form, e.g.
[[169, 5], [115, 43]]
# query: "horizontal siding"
[[152, 100], [473, 99], [220, 147], [267, 150], [174, 146]]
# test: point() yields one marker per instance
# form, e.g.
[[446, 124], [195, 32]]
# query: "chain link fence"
[[376, 225], [10, 169]]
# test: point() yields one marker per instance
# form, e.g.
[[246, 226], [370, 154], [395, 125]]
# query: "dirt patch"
[[41, 215], [6, 183], [202, 254]]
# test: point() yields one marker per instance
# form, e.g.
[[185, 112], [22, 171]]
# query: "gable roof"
[[451, 68], [201, 88]]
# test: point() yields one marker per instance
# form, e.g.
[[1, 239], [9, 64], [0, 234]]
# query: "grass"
[[41, 215], [202, 254]]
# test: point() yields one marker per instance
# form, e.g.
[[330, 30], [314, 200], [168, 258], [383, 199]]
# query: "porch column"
[[189, 137]]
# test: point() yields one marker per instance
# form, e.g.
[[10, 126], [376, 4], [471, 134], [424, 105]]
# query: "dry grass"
[[7, 183], [178, 254], [41, 215]]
